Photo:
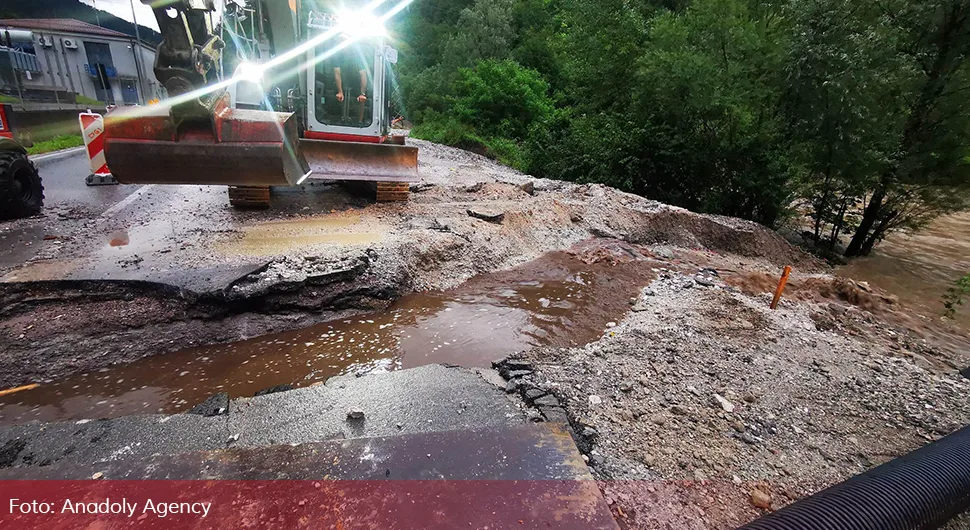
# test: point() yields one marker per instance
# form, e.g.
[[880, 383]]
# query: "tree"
[[924, 171]]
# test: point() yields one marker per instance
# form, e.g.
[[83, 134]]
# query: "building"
[[48, 59]]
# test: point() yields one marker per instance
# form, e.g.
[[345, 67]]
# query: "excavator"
[[275, 93]]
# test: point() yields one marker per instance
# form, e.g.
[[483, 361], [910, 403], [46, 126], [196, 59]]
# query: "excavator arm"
[[195, 136], [188, 57]]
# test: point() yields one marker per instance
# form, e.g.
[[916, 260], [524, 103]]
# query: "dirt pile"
[[704, 384]]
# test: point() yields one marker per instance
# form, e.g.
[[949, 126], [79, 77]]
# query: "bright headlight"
[[360, 24], [248, 71]]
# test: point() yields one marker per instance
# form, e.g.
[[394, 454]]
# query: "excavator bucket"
[[234, 147], [361, 161]]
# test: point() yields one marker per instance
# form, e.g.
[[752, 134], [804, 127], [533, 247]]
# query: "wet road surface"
[[556, 300]]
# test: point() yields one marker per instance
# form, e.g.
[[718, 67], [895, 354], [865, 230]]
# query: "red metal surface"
[[340, 137], [140, 123], [5, 123]]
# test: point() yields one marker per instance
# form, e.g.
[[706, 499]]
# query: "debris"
[[760, 499], [726, 405], [547, 401], [626, 386], [19, 388], [595, 400], [488, 216], [233, 438], [97, 475], [355, 414]]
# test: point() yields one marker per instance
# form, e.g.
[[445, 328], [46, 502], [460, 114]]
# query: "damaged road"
[[176, 267]]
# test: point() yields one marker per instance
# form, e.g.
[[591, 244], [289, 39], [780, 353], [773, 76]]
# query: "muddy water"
[[920, 267], [556, 300]]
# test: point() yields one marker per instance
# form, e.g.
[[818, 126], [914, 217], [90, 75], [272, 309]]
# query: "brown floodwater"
[[556, 300], [920, 267]]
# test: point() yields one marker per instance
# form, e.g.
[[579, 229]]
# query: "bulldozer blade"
[[360, 161], [235, 147]]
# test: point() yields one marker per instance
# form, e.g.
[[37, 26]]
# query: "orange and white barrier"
[[92, 129]]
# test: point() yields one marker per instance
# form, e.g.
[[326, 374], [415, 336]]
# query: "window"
[[347, 75]]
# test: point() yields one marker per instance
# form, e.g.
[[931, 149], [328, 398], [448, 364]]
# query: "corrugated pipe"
[[923, 489]]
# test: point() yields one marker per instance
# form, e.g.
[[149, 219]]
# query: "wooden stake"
[[18, 389], [781, 286]]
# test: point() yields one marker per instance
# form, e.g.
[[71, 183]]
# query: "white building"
[[52, 55]]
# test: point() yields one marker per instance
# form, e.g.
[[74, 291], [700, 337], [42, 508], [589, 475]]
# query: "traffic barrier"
[[92, 130]]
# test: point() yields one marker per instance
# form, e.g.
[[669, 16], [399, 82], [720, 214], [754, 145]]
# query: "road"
[[178, 235]]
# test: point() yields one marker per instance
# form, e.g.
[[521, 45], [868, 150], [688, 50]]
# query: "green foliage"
[[501, 98], [734, 107], [954, 296], [8, 99], [56, 144], [490, 108], [84, 100]]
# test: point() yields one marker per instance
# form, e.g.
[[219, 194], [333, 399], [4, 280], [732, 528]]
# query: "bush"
[[501, 98]]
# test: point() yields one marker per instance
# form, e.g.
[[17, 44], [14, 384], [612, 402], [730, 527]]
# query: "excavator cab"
[[215, 129]]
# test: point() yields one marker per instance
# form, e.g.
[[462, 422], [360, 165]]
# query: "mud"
[[560, 299], [212, 275]]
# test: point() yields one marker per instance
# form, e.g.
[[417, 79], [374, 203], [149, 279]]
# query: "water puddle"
[[273, 238], [554, 301], [119, 239]]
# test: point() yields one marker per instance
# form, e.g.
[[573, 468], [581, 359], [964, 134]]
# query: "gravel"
[[758, 407]]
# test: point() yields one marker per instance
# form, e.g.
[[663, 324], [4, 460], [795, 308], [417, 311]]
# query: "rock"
[[274, 389], [649, 292], [626, 386], [738, 426], [547, 401], [699, 475], [965, 372], [659, 419], [555, 415], [529, 187], [534, 393], [233, 438], [760, 499], [648, 459], [515, 374], [597, 460], [644, 381], [663, 253], [639, 307], [749, 438], [215, 405], [512, 386], [750, 398], [736, 480], [589, 432], [514, 364], [97, 475], [687, 284], [611, 324], [864, 286], [705, 281], [726, 405], [595, 400], [355, 414], [679, 410], [488, 216]]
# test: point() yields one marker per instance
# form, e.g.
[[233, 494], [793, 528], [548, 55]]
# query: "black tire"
[[21, 189]]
